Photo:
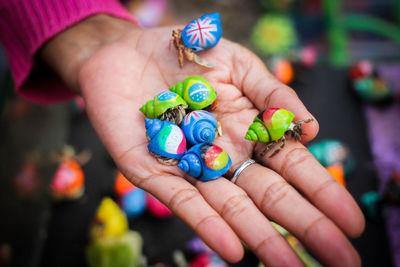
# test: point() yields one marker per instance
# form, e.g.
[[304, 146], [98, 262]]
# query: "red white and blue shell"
[[199, 126], [167, 139], [202, 33]]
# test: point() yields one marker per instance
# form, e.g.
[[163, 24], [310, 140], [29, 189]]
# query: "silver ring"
[[241, 167]]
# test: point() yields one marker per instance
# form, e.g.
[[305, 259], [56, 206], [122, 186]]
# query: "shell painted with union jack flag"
[[205, 162], [199, 126], [202, 33]]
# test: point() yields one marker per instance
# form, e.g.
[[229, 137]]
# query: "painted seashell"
[[110, 220], [330, 151], [361, 69], [373, 89], [133, 203], [337, 171], [166, 105], [208, 259], [68, 181], [199, 126], [205, 162], [203, 33], [270, 125], [167, 141], [196, 91], [156, 208], [282, 69], [122, 185]]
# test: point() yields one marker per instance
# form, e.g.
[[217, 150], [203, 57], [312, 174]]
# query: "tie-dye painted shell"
[[199, 126], [196, 91], [270, 125], [202, 33], [68, 181], [205, 162], [166, 138], [161, 102]]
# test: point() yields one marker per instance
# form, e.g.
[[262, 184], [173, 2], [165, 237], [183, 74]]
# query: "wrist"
[[66, 52]]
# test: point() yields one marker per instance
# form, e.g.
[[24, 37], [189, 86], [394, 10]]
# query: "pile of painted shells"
[[368, 84], [181, 132]]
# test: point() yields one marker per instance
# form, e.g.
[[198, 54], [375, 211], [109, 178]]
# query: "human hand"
[[291, 188]]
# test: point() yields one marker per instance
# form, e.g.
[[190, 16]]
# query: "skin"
[[117, 67]]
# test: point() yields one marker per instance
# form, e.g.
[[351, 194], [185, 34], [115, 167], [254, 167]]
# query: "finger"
[[248, 222], [186, 202], [299, 167], [265, 91], [283, 204]]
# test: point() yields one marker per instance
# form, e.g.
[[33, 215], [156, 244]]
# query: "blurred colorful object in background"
[[133, 203], [329, 152], [109, 220], [131, 198], [27, 181], [337, 171], [122, 251], [373, 201], [274, 34], [308, 56], [208, 260], [122, 185], [149, 13], [196, 245], [282, 69], [156, 208], [68, 181], [112, 244], [295, 244], [368, 83]]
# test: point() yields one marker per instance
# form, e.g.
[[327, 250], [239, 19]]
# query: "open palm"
[[292, 188]]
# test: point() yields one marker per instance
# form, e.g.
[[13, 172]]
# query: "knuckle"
[[206, 221], [181, 197], [269, 96], [294, 158], [235, 205], [322, 187], [307, 233], [144, 182], [258, 249], [274, 193]]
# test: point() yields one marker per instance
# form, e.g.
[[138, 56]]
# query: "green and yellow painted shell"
[[196, 91]]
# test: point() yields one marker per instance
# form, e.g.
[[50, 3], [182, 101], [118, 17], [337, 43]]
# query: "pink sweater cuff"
[[25, 25]]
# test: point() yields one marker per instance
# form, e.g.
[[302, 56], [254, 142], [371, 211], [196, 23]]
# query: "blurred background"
[[63, 202]]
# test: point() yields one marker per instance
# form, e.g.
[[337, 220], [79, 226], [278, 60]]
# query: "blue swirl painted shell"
[[166, 140], [202, 33], [205, 162], [199, 126]]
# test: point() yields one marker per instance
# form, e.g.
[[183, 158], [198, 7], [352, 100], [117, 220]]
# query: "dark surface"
[[325, 92]]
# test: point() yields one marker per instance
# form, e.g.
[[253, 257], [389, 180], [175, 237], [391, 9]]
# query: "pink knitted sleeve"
[[25, 25]]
